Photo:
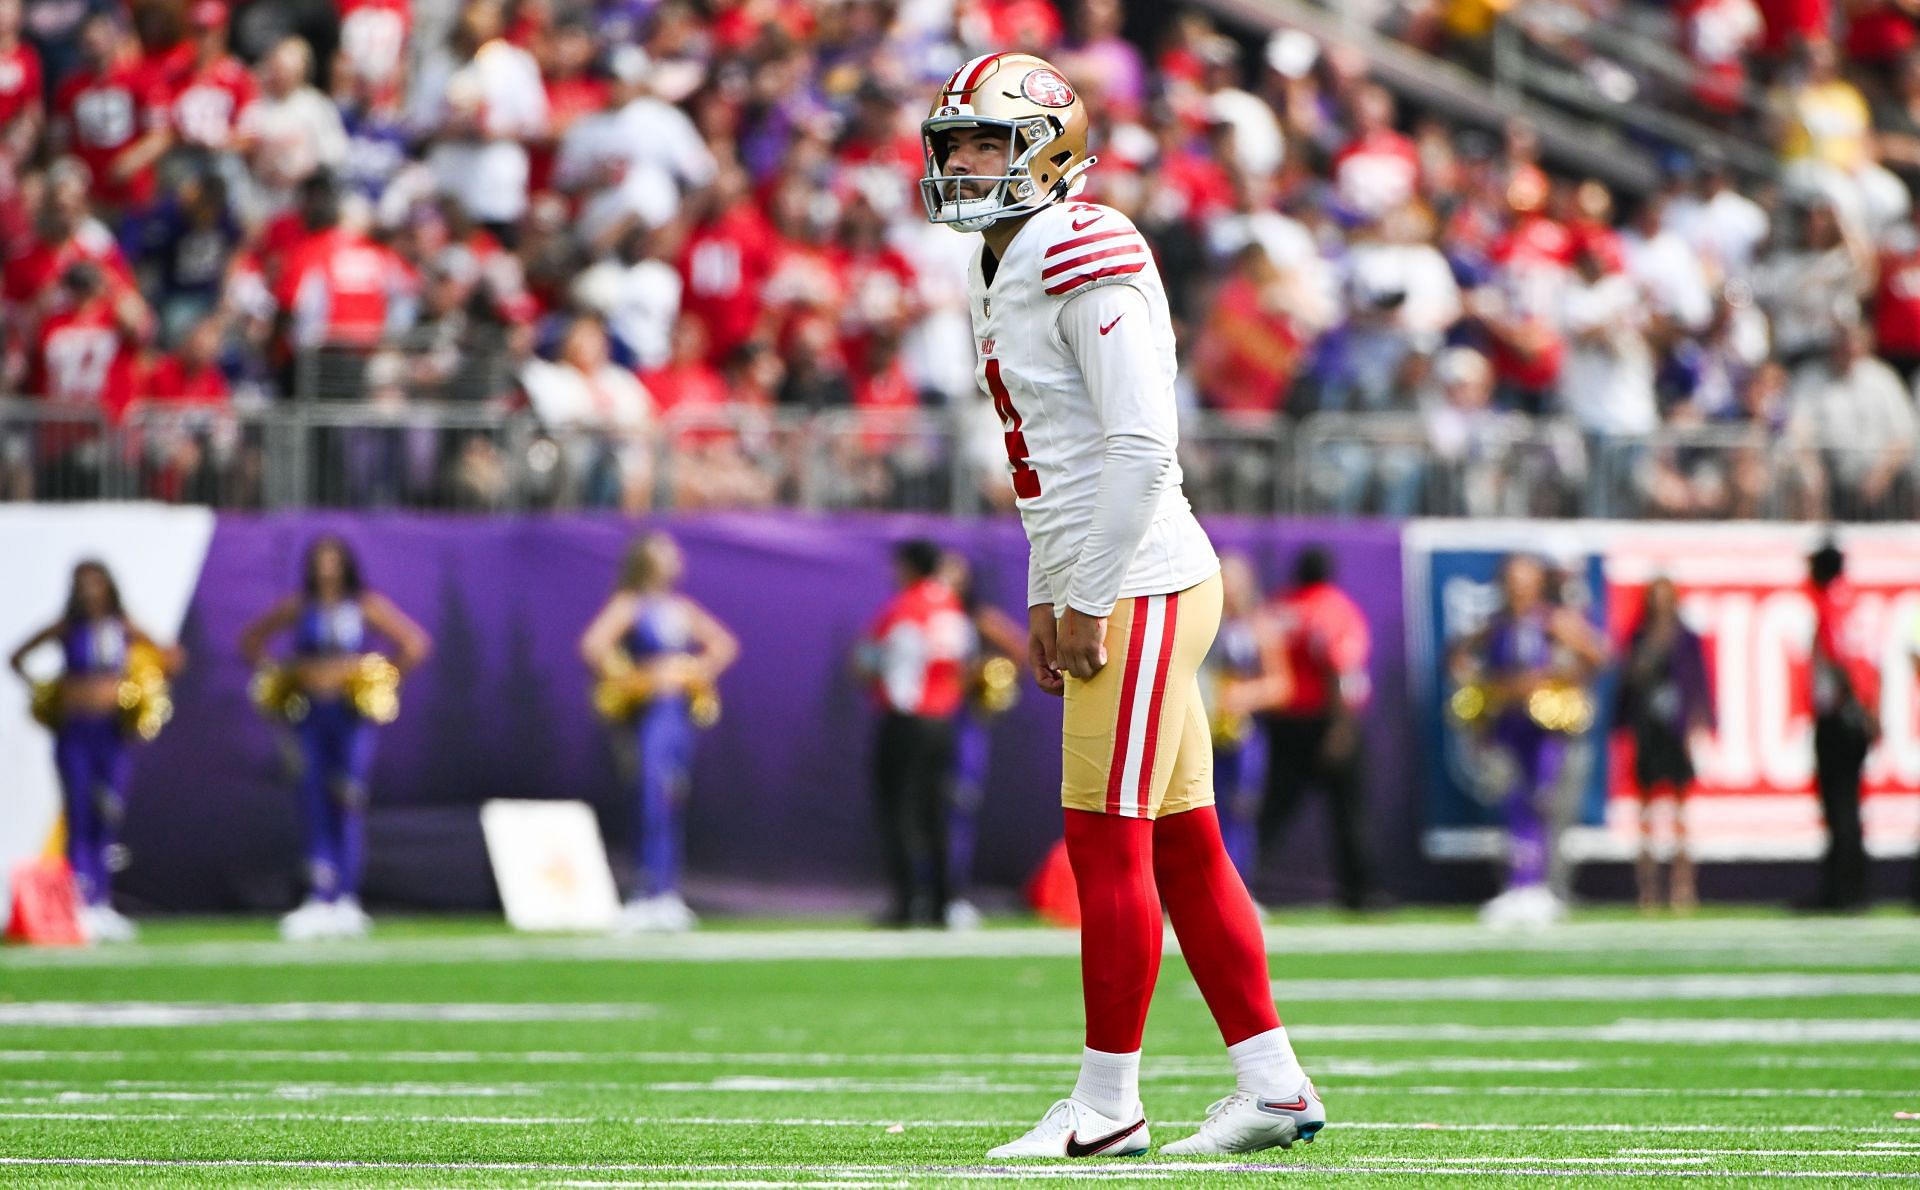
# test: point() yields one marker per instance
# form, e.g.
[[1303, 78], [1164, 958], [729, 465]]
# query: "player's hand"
[[1083, 644], [1043, 650]]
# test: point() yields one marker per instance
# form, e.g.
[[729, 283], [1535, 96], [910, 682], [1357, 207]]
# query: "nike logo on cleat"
[[1275, 1105], [1110, 325], [1083, 224], [1076, 1149]]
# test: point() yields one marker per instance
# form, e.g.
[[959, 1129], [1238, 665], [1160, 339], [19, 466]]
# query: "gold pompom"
[[277, 695], [46, 705], [703, 704], [996, 687], [1468, 704], [373, 689], [621, 689], [1561, 706], [144, 695]]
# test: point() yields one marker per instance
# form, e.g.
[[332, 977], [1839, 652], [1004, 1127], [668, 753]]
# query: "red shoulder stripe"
[[1069, 245], [1089, 258], [1078, 280]]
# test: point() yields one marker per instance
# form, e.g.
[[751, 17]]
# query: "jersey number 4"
[[1026, 481]]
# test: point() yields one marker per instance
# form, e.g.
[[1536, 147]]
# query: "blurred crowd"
[[613, 212]]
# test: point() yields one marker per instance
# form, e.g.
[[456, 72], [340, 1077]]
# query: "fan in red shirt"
[[65, 233], [373, 38], [216, 87], [1896, 304], [87, 348], [190, 376], [726, 261], [1249, 348], [1379, 170], [21, 84], [112, 114], [1790, 22], [687, 381], [879, 282], [335, 289]]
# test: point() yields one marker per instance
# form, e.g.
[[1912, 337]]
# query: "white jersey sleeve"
[[1142, 434], [1089, 416]]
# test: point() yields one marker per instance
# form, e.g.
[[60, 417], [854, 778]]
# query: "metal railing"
[[466, 457]]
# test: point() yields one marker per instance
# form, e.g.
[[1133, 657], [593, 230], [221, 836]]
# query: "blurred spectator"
[[88, 347], [22, 88], [1852, 414], [1249, 349], [192, 374], [1880, 32], [1717, 36], [1896, 120], [207, 102], [1667, 269], [1724, 226], [336, 286], [727, 259], [193, 237], [638, 294], [112, 115], [687, 381], [493, 104], [373, 41], [1607, 380], [1378, 170], [1896, 302], [1828, 146], [586, 391], [290, 131], [1812, 281]]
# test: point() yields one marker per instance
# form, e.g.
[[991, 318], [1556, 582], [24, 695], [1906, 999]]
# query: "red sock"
[[1120, 925], [1216, 922]]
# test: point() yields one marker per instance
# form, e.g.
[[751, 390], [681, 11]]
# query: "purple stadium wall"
[[781, 796]]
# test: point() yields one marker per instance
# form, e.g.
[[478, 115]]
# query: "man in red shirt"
[[1320, 641], [1896, 303], [65, 232], [21, 83], [191, 375], [87, 348], [217, 86], [334, 289], [1379, 170], [915, 654], [112, 114], [1845, 696], [727, 260]]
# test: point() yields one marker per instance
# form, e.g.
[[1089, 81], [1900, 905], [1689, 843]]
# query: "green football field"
[[1725, 1049]]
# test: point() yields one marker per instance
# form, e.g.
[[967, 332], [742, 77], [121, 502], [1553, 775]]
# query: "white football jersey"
[[1056, 431]]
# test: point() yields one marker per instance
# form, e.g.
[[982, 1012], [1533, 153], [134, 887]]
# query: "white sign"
[[550, 865]]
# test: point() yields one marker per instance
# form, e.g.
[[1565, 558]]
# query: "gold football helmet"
[[1046, 127]]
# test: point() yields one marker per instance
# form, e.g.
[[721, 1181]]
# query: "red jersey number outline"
[[1026, 481]]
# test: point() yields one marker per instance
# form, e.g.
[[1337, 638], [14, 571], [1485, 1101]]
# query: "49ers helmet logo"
[[1046, 88]]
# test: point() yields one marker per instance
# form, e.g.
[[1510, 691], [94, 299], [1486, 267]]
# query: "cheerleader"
[[1243, 673], [112, 686], [333, 691], [657, 655], [1665, 700], [993, 683], [1532, 664]]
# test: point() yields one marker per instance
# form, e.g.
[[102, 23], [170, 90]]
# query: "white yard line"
[[1746, 1031], [146, 1014], [1118, 1170], [1867, 941], [1773, 985]]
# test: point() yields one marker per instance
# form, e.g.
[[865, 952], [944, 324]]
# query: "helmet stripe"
[[972, 70]]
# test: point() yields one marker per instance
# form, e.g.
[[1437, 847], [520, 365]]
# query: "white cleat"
[[671, 914], [348, 920], [962, 916], [1072, 1129], [103, 923], [637, 917], [1533, 907], [1243, 1123], [312, 921]]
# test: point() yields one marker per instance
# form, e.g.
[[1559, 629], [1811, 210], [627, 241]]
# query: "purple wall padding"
[[781, 792]]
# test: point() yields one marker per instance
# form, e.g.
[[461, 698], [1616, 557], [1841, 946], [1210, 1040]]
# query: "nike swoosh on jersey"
[[1083, 224], [1115, 322], [1076, 1149]]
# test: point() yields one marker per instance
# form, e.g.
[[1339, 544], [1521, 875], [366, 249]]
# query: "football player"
[[1124, 597]]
